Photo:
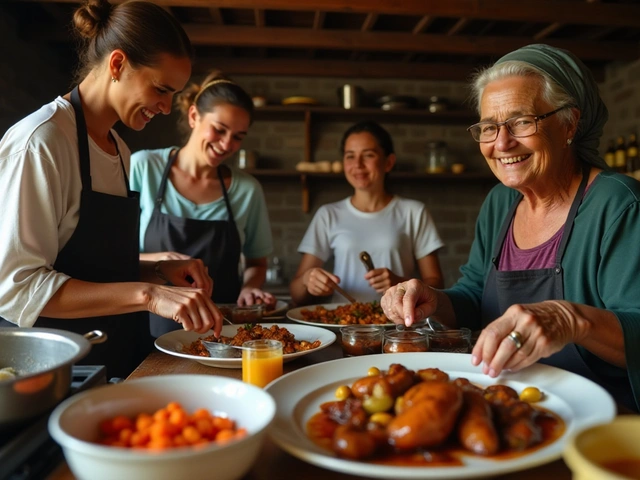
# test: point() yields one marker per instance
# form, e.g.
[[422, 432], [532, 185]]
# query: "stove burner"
[[30, 453]]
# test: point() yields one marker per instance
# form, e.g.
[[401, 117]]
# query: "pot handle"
[[95, 337]]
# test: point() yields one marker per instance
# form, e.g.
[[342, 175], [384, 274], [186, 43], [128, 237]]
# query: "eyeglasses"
[[520, 126]]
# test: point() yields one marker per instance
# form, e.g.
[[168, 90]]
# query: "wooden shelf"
[[416, 115], [306, 177]]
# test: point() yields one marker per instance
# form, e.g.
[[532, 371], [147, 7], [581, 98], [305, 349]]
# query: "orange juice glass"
[[261, 361]]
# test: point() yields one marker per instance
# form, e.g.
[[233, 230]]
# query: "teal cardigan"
[[601, 264]]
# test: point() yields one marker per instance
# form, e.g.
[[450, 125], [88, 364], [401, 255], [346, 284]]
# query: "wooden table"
[[273, 462]]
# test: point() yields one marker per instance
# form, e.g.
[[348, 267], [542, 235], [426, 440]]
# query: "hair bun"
[[91, 17]]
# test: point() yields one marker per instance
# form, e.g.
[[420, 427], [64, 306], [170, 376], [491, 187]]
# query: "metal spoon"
[[435, 325], [222, 350]]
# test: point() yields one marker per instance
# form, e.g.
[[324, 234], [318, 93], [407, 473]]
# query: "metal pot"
[[42, 358]]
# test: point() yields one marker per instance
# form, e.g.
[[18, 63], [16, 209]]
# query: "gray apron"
[[215, 242], [103, 248], [505, 288]]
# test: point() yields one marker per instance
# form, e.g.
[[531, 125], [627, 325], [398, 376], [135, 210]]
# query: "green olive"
[[373, 371], [531, 395], [375, 404], [381, 418], [398, 407], [343, 392]]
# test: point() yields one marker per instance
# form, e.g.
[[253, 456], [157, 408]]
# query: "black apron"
[[215, 242], [104, 248], [505, 288]]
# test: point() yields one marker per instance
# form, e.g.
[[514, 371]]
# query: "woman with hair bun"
[[193, 206], [68, 253]]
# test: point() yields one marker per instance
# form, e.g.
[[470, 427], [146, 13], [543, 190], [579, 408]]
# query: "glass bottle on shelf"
[[633, 162], [610, 155], [621, 155]]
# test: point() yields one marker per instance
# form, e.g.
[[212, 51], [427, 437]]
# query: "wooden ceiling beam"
[[369, 22], [423, 24], [333, 68], [458, 26], [548, 11], [545, 32], [345, 68], [318, 19], [241, 36], [216, 16], [259, 17]]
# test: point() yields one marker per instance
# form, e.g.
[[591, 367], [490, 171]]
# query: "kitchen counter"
[[273, 462]]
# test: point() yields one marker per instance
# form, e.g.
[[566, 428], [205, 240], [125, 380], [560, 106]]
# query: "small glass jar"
[[437, 157], [452, 341], [361, 340], [398, 341]]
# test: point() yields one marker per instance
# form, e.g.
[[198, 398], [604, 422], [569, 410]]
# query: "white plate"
[[280, 307], [295, 314], [173, 343], [298, 396]]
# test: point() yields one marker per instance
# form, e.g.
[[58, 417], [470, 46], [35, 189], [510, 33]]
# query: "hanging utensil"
[[366, 259]]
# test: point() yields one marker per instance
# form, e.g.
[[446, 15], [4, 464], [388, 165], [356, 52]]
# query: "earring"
[[114, 79], [569, 141]]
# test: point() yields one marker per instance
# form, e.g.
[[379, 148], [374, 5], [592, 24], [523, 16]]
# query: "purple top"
[[513, 258], [543, 256]]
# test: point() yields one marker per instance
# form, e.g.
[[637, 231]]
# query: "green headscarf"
[[577, 80]]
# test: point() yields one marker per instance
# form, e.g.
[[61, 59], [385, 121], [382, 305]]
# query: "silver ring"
[[516, 338]]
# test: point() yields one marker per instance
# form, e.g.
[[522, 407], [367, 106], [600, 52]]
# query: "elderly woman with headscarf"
[[552, 275]]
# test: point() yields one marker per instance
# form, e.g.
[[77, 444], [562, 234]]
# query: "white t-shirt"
[[41, 186], [395, 237]]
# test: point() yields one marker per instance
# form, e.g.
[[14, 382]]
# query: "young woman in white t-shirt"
[[398, 233]]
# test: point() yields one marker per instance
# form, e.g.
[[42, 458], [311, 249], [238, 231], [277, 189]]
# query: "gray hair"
[[552, 93]]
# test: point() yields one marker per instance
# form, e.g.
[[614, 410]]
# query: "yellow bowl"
[[612, 443]]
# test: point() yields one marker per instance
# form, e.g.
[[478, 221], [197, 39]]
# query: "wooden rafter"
[[458, 26], [216, 16], [548, 30], [548, 11]]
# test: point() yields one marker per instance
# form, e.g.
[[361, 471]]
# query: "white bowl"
[[74, 425]]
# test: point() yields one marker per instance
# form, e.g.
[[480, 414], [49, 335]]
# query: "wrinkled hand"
[[319, 282], [190, 307], [187, 273], [545, 328], [255, 296], [381, 279], [408, 302]]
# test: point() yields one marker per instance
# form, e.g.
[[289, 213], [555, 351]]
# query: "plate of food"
[[337, 315], [568, 404], [298, 340]]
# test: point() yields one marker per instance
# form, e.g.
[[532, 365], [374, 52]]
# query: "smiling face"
[[218, 134], [148, 91], [529, 161], [365, 163]]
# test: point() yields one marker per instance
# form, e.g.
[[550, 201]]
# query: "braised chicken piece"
[[433, 374], [476, 430], [465, 385], [346, 412], [516, 419], [430, 413]]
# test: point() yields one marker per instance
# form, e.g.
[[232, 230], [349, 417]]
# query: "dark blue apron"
[[215, 242], [505, 288], [104, 249]]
